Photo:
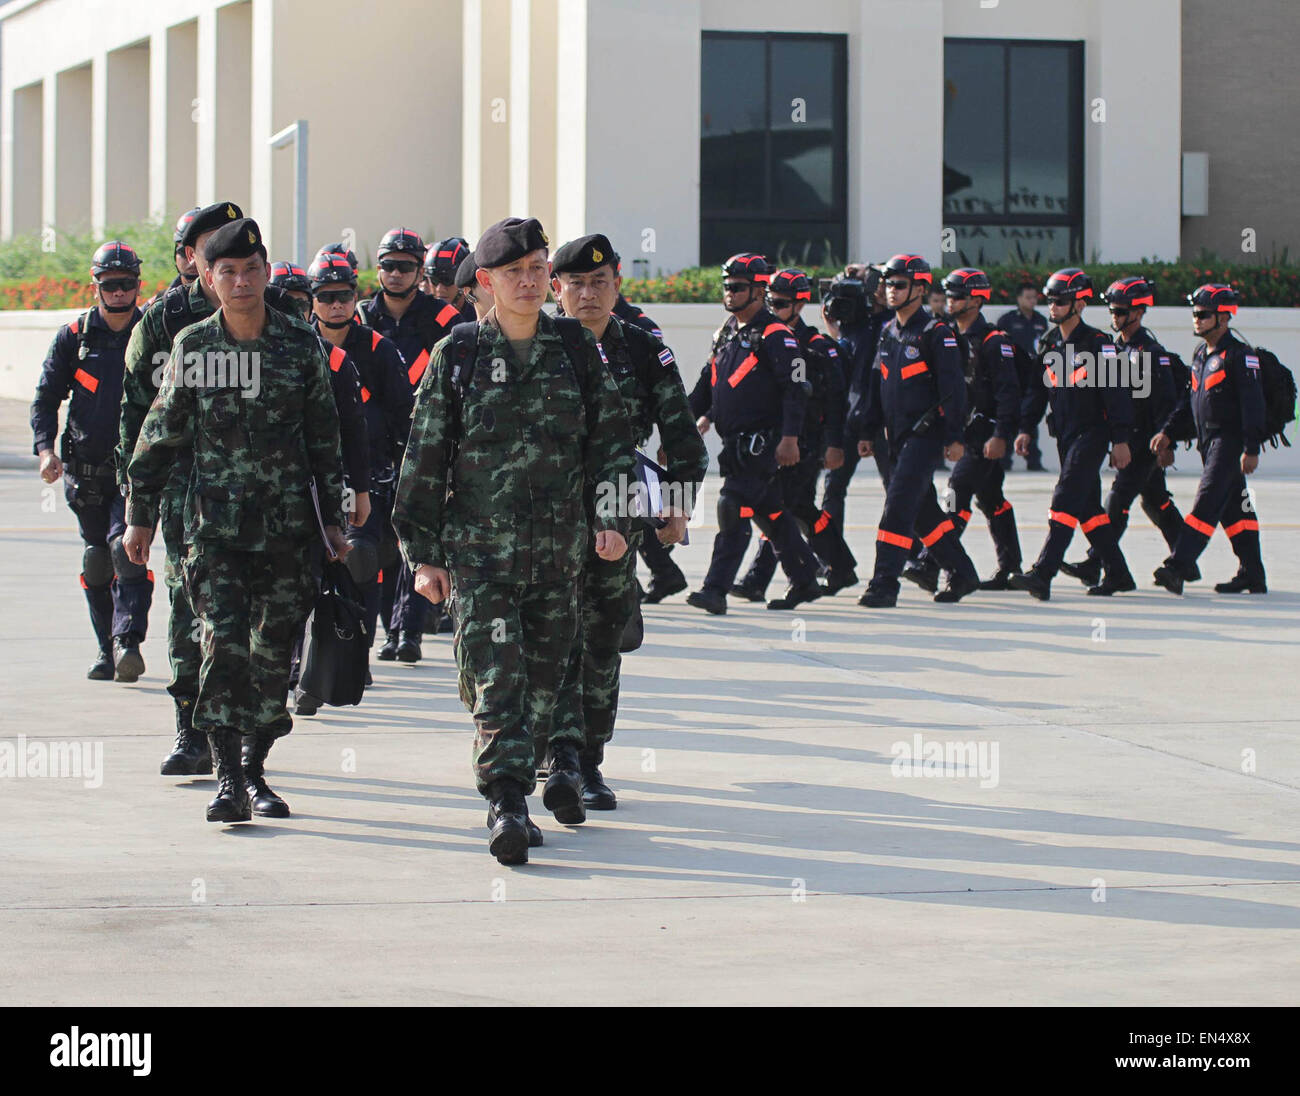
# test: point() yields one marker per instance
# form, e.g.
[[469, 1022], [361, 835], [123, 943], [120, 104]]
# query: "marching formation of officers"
[[455, 445]]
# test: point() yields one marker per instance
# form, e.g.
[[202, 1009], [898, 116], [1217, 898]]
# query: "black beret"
[[237, 240], [210, 218], [584, 254], [465, 272], [509, 240]]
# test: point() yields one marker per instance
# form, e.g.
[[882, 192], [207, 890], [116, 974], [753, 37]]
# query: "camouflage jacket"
[[652, 390], [254, 456], [504, 487]]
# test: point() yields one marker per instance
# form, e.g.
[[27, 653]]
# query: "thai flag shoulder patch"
[[1252, 361], [666, 357], [602, 353]]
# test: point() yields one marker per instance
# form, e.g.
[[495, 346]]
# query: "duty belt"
[[753, 443], [80, 470]]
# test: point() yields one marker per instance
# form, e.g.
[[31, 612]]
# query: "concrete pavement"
[[1112, 821]]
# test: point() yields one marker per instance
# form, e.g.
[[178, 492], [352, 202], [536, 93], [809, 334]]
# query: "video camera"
[[847, 300]]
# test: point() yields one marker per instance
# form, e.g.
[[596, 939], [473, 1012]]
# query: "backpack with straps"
[[1181, 427], [1279, 388]]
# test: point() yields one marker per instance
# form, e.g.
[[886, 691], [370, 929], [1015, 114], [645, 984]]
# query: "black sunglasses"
[[736, 287], [1120, 312], [898, 283], [336, 296], [1202, 314], [441, 279], [780, 302], [119, 285], [399, 266]]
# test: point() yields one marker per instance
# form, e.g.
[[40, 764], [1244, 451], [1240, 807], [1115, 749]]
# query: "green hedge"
[[1260, 286]]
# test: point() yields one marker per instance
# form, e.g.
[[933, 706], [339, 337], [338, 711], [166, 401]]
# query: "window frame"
[[839, 212], [1074, 221]]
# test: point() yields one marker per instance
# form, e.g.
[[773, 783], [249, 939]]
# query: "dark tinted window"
[[773, 159], [1013, 150]]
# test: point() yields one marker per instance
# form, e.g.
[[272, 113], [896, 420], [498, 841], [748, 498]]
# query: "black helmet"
[[791, 282], [1215, 296], [967, 281], [1130, 291], [329, 268], [442, 259], [1070, 284], [290, 277], [747, 266], [178, 237], [400, 240], [911, 266], [339, 249], [115, 256]]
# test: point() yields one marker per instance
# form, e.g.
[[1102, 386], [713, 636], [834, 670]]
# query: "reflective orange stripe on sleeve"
[[772, 328], [86, 381], [1063, 518], [884, 371], [742, 370], [773, 517], [746, 511], [418, 367], [913, 369], [336, 359], [821, 522], [447, 314], [937, 532], [375, 336], [893, 538], [964, 515], [1215, 378], [1246, 525], [1200, 526], [365, 394], [1079, 375], [1002, 509], [1092, 523]]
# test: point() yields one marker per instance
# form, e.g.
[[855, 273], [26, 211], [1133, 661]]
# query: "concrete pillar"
[[205, 110], [571, 121], [128, 128], [543, 32], [901, 209], [497, 104], [471, 126], [23, 159], [98, 142], [232, 168], [71, 197], [271, 190], [520, 104], [174, 120]]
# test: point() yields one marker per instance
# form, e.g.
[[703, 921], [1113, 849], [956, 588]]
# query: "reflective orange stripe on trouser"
[[938, 531], [1093, 522], [1246, 525], [893, 538], [1202, 527], [1063, 518]]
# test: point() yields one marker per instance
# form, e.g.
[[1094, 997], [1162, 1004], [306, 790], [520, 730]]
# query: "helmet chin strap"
[[403, 295], [117, 309], [334, 326], [748, 300]]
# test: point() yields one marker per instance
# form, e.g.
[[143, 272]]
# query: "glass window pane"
[[802, 109], [979, 245], [788, 243], [974, 137], [1041, 106], [732, 124]]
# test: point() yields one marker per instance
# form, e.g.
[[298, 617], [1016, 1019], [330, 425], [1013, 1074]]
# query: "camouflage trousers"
[[512, 643], [182, 633], [251, 606], [588, 700]]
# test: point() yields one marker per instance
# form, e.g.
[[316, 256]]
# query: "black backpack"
[[1182, 427], [1279, 396]]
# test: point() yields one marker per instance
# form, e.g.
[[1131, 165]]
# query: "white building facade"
[[989, 128]]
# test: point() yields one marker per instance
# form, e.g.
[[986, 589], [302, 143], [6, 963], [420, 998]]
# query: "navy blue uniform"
[[749, 391], [1143, 477], [1025, 332], [823, 427], [85, 364], [1227, 401], [917, 393], [425, 322], [858, 344], [993, 395], [1090, 410]]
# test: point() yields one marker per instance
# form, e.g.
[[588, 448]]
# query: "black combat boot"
[[191, 755], [127, 660], [102, 668], [1087, 571], [711, 601], [1001, 580], [1033, 582], [1243, 583], [880, 596], [746, 593], [840, 580], [388, 652], [1170, 576], [562, 795], [664, 585], [924, 572], [596, 794], [957, 588], [408, 647], [798, 595], [265, 802], [1115, 582], [535, 837], [231, 803], [508, 840]]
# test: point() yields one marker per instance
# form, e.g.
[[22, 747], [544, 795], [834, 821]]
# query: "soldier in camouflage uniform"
[[586, 281], [517, 426], [146, 355], [248, 513]]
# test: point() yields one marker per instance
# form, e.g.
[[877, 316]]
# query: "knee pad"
[[388, 555], [728, 511], [363, 561], [122, 565], [97, 565]]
